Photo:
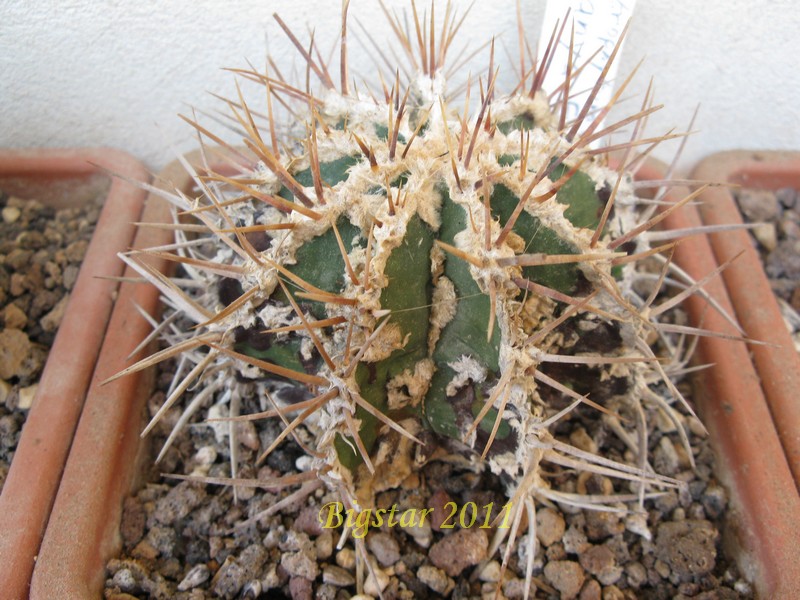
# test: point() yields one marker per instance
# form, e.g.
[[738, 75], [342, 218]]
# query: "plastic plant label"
[[598, 24]]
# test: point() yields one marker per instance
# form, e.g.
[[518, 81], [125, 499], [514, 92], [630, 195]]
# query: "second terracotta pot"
[[83, 532], [63, 178], [777, 363], [765, 507]]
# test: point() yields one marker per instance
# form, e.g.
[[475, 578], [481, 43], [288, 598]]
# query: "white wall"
[[117, 72]]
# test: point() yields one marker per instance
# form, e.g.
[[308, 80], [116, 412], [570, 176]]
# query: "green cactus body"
[[421, 262]]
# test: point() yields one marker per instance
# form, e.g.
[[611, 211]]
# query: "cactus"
[[409, 271]]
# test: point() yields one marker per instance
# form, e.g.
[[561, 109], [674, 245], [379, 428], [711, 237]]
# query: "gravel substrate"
[[188, 540], [41, 250], [777, 238]]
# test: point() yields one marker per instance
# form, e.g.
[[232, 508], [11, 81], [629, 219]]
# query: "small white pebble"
[[124, 579], [767, 235], [206, 455], [742, 587], [696, 426], [26, 396], [196, 576], [346, 559], [204, 458], [637, 523], [220, 428], [11, 214], [377, 580], [491, 572], [304, 463], [664, 423], [423, 535]]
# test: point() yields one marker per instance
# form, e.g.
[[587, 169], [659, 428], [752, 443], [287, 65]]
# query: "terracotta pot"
[[778, 364], [63, 178], [762, 528], [83, 532]]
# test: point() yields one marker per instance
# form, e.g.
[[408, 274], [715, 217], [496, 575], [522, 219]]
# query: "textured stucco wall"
[[116, 72]]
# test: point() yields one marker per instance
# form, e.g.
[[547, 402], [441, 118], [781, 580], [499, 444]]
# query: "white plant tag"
[[598, 23]]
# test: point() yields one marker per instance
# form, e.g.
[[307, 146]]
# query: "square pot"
[[777, 364], [84, 529], [63, 178]]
